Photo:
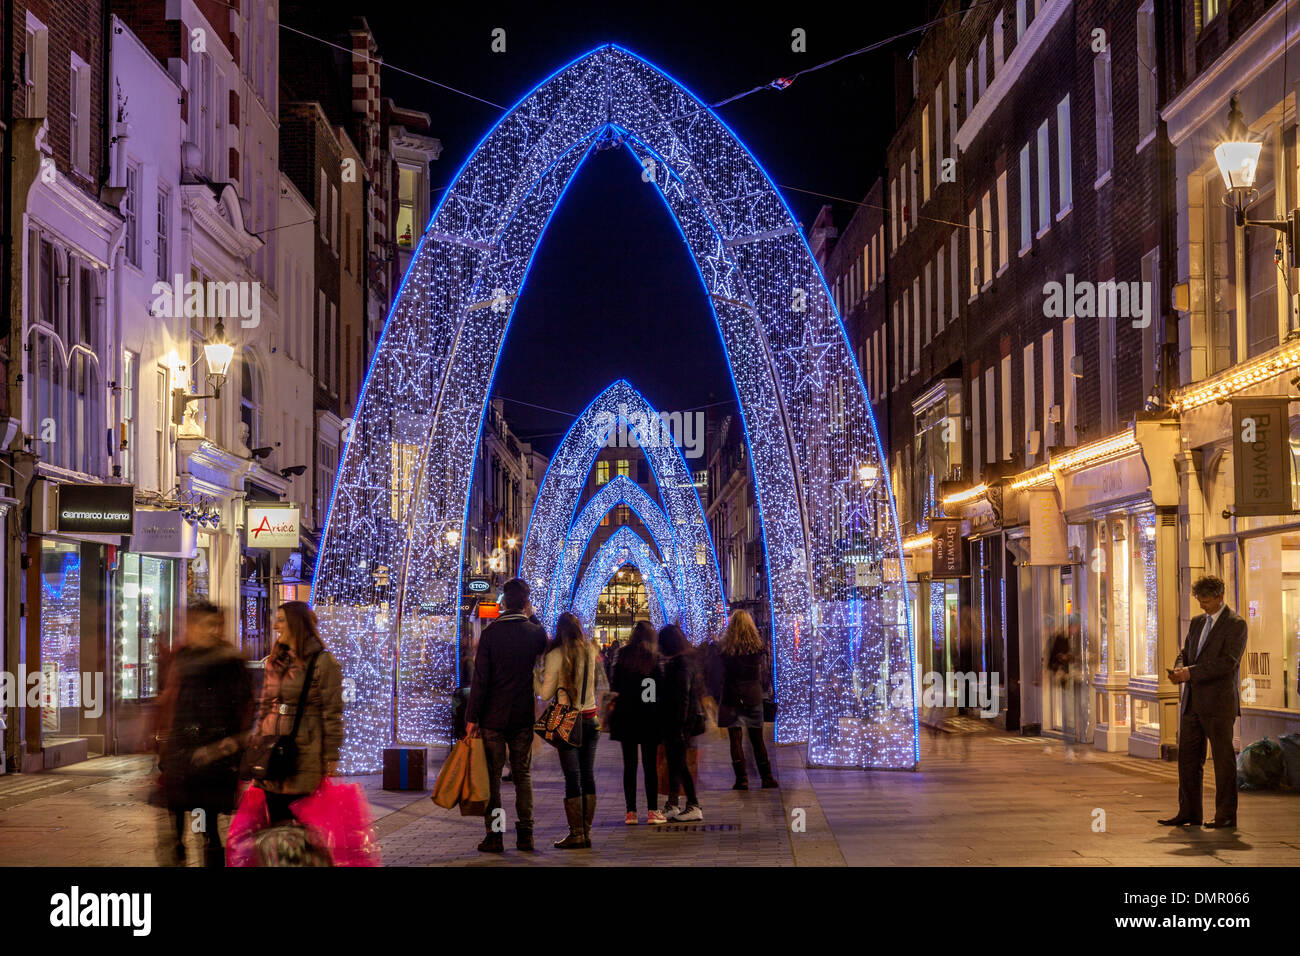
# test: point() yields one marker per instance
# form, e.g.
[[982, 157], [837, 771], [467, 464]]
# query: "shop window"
[[145, 603], [1145, 622], [406, 207], [60, 638], [1270, 667]]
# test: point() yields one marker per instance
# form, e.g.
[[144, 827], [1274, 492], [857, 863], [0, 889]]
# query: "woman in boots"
[[570, 669], [741, 707]]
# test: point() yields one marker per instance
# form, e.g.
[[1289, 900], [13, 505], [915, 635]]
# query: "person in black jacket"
[[209, 697], [502, 707], [634, 721], [1209, 664], [741, 706], [681, 716]]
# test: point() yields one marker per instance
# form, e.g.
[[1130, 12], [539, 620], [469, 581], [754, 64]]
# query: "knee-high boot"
[[588, 815], [573, 815]]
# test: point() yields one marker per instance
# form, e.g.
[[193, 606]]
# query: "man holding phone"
[[1208, 666]]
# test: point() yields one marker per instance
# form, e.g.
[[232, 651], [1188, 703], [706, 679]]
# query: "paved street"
[[981, 797]]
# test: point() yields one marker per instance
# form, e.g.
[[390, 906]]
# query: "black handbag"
[[561, 724], [275, 758]]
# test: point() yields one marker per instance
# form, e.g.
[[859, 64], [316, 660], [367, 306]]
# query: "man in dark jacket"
[[1209, 660], [209, 699], [502, 707]]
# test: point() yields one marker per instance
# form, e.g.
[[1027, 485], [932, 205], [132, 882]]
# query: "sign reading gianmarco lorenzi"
[[96, 509]]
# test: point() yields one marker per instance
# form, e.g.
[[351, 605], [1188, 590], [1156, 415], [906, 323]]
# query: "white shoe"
[[690, 814], [671, 811]]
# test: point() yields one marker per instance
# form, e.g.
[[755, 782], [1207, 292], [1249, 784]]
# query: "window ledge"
[[986, 286], [1105, 178], [1064, 212], [1001, 269], [1044, 231], [1024, 250], [1145, 140]]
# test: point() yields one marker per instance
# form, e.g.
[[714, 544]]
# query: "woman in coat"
[[680, 716], [320, 732], [570, 667], [741, 707], [634, 722]]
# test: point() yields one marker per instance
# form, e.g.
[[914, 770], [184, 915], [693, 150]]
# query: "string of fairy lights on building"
[[389, 577]]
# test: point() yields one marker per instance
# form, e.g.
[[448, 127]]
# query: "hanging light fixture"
[[219, 354]]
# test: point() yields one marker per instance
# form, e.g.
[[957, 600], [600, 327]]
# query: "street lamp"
[[219, 353], [1238, 161], [512, 541]]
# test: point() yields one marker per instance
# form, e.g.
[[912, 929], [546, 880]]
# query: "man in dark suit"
[[502, 706], [1208, 666]]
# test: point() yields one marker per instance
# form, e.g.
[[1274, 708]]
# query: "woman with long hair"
[[741, 708], [681, 717], [299, 655], [634, 722], [570, 669]]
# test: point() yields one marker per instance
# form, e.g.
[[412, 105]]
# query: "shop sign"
[[96, 509], [1048, 541], [273, 527], [1261, 456], [478, 585], [948, 555], [164, 534], [488, 609], [1114, 480]]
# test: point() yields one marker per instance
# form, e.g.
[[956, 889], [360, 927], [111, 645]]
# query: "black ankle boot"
[[742, 777]]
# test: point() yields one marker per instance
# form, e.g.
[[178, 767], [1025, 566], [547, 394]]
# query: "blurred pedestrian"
[[570, 669], [502, 707], [681, 716], [299, 659], [634, 721], [209, 707], [741, 708]]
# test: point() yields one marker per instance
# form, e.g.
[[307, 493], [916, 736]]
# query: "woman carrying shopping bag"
[[569, 676], [300, 720]]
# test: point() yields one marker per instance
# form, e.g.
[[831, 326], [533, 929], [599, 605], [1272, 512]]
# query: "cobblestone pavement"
[[980, 797]]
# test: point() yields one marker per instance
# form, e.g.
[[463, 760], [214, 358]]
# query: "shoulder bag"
[[561, 724], [276, 757]]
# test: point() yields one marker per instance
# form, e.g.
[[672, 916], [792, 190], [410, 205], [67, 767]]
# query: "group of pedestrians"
[[212, 731], [656, 691]]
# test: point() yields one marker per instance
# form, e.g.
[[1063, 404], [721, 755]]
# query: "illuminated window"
[[602, 472], [623, 467]]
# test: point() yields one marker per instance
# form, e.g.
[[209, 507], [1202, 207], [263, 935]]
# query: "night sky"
[[613, 292]]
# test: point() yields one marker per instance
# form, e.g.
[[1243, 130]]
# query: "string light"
[[621, 548], [843, 650], [556, 541]]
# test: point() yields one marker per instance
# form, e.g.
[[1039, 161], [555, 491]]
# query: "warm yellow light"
[[970, 494], [1104, 448], [868, 473], [918, 541], [512, 541], [1031, 479], [453, 537]]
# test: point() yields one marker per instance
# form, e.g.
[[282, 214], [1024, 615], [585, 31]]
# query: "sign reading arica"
[[272, 527], [96, 509], [1261, 456]]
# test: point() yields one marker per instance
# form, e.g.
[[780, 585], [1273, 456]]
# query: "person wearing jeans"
[[501, 706], [570, 671]]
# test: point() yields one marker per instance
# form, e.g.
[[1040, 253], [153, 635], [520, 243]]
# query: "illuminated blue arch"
[[619, 490], [388, 579], [621, 548], [553, 551]]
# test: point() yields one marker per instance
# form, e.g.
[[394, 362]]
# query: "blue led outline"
[[871, 415], [623, 500], [647, 574], [889, 496]]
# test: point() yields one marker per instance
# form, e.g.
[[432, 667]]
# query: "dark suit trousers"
[[1193, 731]]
